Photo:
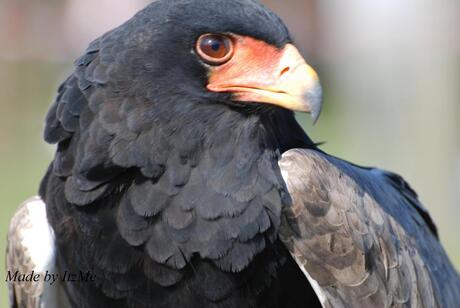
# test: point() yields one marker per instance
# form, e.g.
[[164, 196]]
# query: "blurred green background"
[[390, 69]]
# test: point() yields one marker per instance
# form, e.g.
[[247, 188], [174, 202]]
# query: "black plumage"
[[169, 193], [175, 191]]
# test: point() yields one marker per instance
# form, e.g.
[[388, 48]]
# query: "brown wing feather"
[[22, 294], [31, 249], [360, 237]]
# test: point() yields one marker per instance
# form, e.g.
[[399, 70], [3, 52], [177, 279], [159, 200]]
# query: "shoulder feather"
[[360, 235], [30, 251]]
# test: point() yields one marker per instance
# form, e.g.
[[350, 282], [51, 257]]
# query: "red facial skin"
[[254, 64], [262, 73]]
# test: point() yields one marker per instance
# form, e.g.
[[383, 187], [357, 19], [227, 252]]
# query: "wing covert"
[[31, 250], [361, 237]]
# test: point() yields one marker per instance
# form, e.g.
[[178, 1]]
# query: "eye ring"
[[215, 49]]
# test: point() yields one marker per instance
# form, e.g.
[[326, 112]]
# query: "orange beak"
[[262, 73]]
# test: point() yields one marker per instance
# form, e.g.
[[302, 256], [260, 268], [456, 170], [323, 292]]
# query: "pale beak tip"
[[314, 99]]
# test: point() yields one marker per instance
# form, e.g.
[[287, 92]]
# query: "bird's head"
[[154, 133], [233, 52]]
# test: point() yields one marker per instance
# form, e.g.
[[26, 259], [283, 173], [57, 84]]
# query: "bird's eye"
[[215, 49]]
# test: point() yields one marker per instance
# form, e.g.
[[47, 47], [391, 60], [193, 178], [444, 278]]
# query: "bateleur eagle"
[[182, 179]]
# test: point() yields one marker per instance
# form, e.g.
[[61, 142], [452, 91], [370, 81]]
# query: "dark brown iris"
[[215, 49]]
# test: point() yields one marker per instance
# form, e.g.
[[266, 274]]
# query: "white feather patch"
[[39, 237]]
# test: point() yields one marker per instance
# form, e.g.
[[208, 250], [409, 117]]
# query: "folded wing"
[[31, 253], [362, 237]]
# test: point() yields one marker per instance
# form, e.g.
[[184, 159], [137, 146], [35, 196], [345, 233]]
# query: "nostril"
[[285, 71]]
